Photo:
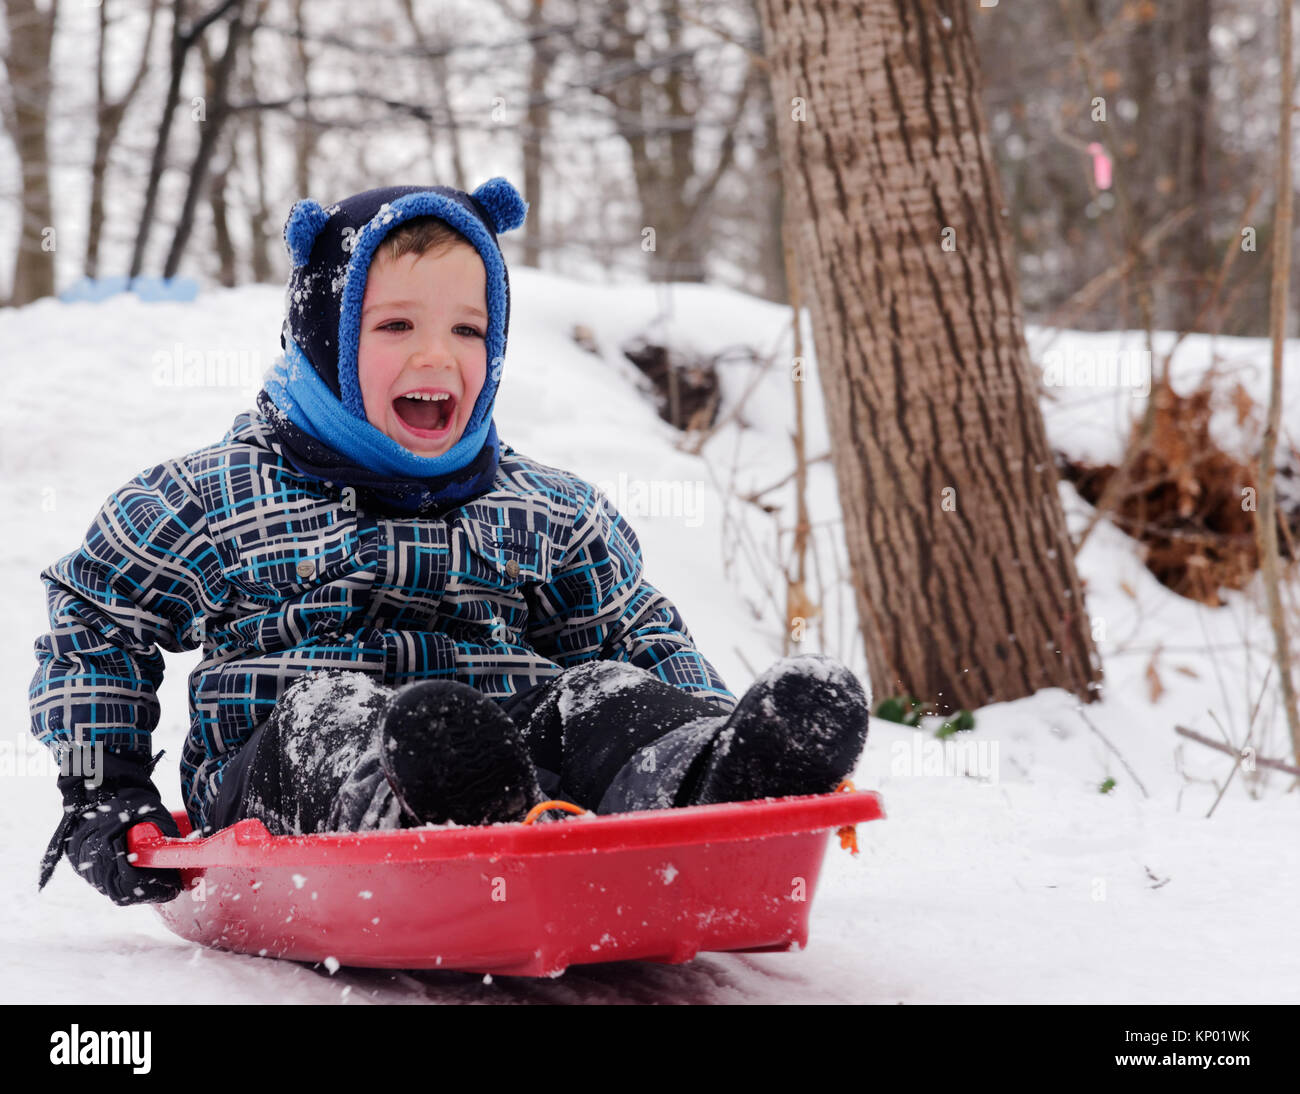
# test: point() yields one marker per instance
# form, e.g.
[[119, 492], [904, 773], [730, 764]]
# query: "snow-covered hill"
[[1018, 881]]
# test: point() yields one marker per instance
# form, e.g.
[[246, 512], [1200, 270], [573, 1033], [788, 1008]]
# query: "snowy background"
[[1017, 881]]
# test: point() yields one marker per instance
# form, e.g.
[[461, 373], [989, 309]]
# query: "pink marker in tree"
[[1101, 166]]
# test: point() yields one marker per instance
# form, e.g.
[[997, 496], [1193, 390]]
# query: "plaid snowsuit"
[[272, 574]]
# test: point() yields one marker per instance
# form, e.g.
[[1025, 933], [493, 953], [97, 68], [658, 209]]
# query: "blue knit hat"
[[316, 383]]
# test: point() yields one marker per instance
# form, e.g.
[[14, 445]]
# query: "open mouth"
[[426, 414]]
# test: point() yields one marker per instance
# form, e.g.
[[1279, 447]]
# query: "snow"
[[1001, 873], [572, 700], [1109, 376]]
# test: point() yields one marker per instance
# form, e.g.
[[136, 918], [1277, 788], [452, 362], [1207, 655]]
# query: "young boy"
[[403, 620]]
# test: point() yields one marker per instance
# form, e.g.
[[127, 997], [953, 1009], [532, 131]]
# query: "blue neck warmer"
[[321, 417]]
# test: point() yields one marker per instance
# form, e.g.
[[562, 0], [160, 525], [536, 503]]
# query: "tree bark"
[[771, 246], [259, 212], [182, 41], [27, 68], [304, 133], [216, 113], [108, 121], [435, 46], [655, 118], [538, 121], [1266, 514], [1198, 253], [222, 241], [964, 577]]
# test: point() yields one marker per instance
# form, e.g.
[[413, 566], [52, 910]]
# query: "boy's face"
[[423, 331]]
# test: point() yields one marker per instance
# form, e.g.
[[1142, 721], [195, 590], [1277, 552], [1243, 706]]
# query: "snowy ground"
[[1018, 881]]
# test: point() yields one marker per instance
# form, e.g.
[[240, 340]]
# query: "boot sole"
[[451, 754], [788, 736]]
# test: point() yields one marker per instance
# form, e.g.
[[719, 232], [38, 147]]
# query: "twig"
[[1228, 781], [1260, 761], [1263, 689], [1095, 289], [1119, 756], [733, 411], [753, 497]]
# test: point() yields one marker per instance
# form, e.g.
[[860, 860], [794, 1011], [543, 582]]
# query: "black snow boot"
[[798, 730], [451, 754]]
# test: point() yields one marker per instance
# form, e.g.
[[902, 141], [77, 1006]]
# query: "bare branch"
[[1227, 750]]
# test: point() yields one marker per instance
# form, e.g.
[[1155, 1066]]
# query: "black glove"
[[94, 826]]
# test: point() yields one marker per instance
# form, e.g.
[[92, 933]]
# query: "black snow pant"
[[606, 735]]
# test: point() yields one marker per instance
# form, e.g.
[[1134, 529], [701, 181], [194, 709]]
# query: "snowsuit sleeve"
[[145, 578], [598, 605]]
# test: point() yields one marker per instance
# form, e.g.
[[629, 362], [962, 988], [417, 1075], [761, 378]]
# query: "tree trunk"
[[536, 125], [224, 244], [435, 47], [182, 42], [27, 68], [1279, 303], [964, 576], [216, 113], [260, 238], [304, 133], [684, 260], [1198, 255], [108, 120], [222, 241], [767, 181], [179, 48], [260, 214]]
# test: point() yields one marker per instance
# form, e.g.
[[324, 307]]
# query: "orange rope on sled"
[[849, 833], [537, 810]]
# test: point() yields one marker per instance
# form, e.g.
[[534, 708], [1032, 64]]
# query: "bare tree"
[[25, 108], [182, 41], [223, 243], [437, 69], [215, 114], [965, 581], [1266, 514], [657, 117], [108, 121], [304, 143], [258, 203], [537, 122], [224, 162]]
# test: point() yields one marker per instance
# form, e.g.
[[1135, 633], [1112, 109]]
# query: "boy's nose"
[[433, 352]]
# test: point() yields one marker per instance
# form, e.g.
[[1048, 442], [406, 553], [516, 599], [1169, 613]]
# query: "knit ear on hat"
[[502, 202], [306, 219]]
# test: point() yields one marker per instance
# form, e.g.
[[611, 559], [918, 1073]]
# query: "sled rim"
[[248, 843]]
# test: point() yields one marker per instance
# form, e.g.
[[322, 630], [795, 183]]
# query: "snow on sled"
[[512, 899]]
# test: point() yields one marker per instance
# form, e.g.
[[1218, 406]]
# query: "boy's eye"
[[404, 324]]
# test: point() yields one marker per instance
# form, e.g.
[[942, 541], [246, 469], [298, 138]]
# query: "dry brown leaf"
[[1187, 670], [799, 604], [1128, 591], [1243, 403], [1155, 688], [1182, 498]]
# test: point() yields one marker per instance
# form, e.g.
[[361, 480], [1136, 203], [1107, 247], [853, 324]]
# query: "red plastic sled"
[[511, 899]]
